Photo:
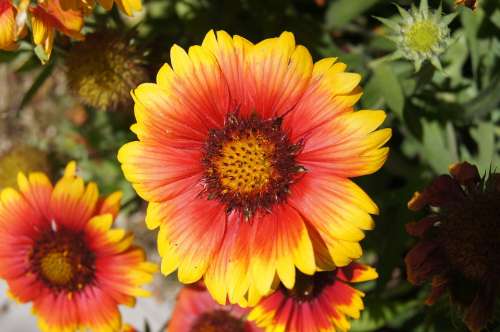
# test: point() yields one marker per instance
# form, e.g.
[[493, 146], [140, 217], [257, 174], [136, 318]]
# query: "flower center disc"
[[246, 164], [471, 236], [423, 36], [218, 321], [249, 164], [62, 260]]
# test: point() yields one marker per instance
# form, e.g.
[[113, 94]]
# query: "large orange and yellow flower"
[[58, 251], [196, 311], [318, 303], [244, 154], [7, 26]]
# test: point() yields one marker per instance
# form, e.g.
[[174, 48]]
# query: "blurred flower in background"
[[8, 34], [59, 252], [196, 311], [21, 158], [103, 69]]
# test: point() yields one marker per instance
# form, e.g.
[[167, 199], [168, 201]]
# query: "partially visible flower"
[[196, 311], [21, 158], [7, 26], [59, 251], [317, 303], [420, 34], [472, 4], [126, 6], [48, 17], [128, 328], [103, 69], [459, 241]]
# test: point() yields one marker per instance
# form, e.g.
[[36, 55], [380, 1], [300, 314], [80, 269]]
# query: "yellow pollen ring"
[[57, 268], [246, 164]]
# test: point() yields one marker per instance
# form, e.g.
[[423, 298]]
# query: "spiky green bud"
[[421, 34]]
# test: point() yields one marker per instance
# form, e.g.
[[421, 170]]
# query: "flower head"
[[245, 153], [58, 251], [196, 311], [421, 34], [48, 17], [322, 302], [459, 241], [21, 158], [126, 6], [7, 26], [102, 70]]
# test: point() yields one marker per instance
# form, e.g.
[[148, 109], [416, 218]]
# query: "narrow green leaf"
[[37, 83]]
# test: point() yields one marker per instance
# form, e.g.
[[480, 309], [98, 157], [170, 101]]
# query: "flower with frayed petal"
[[322, 302], [126, 6], [47, 17], [459, 241], [420, 34], [7, 26], [196, 311], [59, 251], [245, 153]]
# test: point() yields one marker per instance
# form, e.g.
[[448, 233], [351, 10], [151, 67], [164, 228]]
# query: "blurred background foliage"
[[438, 116]]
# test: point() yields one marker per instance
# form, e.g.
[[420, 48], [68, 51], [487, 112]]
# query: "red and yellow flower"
[[245, 153], [459, 242], [58, 251], [48, 17], [322, 302], [196, 311], [8, 35]]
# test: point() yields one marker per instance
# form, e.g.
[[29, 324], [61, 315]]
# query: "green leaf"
[[385, 84], [484, 135], [341, 12], [435, 148], [44, 74], [472, 22]]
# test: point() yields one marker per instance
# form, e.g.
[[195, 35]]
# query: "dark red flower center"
[[309, 287], [218, 321], [62, 260], [470, 233], [250, 164]]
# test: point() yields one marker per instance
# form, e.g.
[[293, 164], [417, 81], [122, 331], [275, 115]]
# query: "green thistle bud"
[[421, 34], [103, 69], [21, 158]]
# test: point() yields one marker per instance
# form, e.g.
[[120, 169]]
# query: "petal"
[[356, 272], [424, 261], [330, 92], [278, 74], [37, 190], [347, 146], [280, 243], [231, 53], [158, 172], [338, 210], [72, 203], [191, 231], [7, 26]]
